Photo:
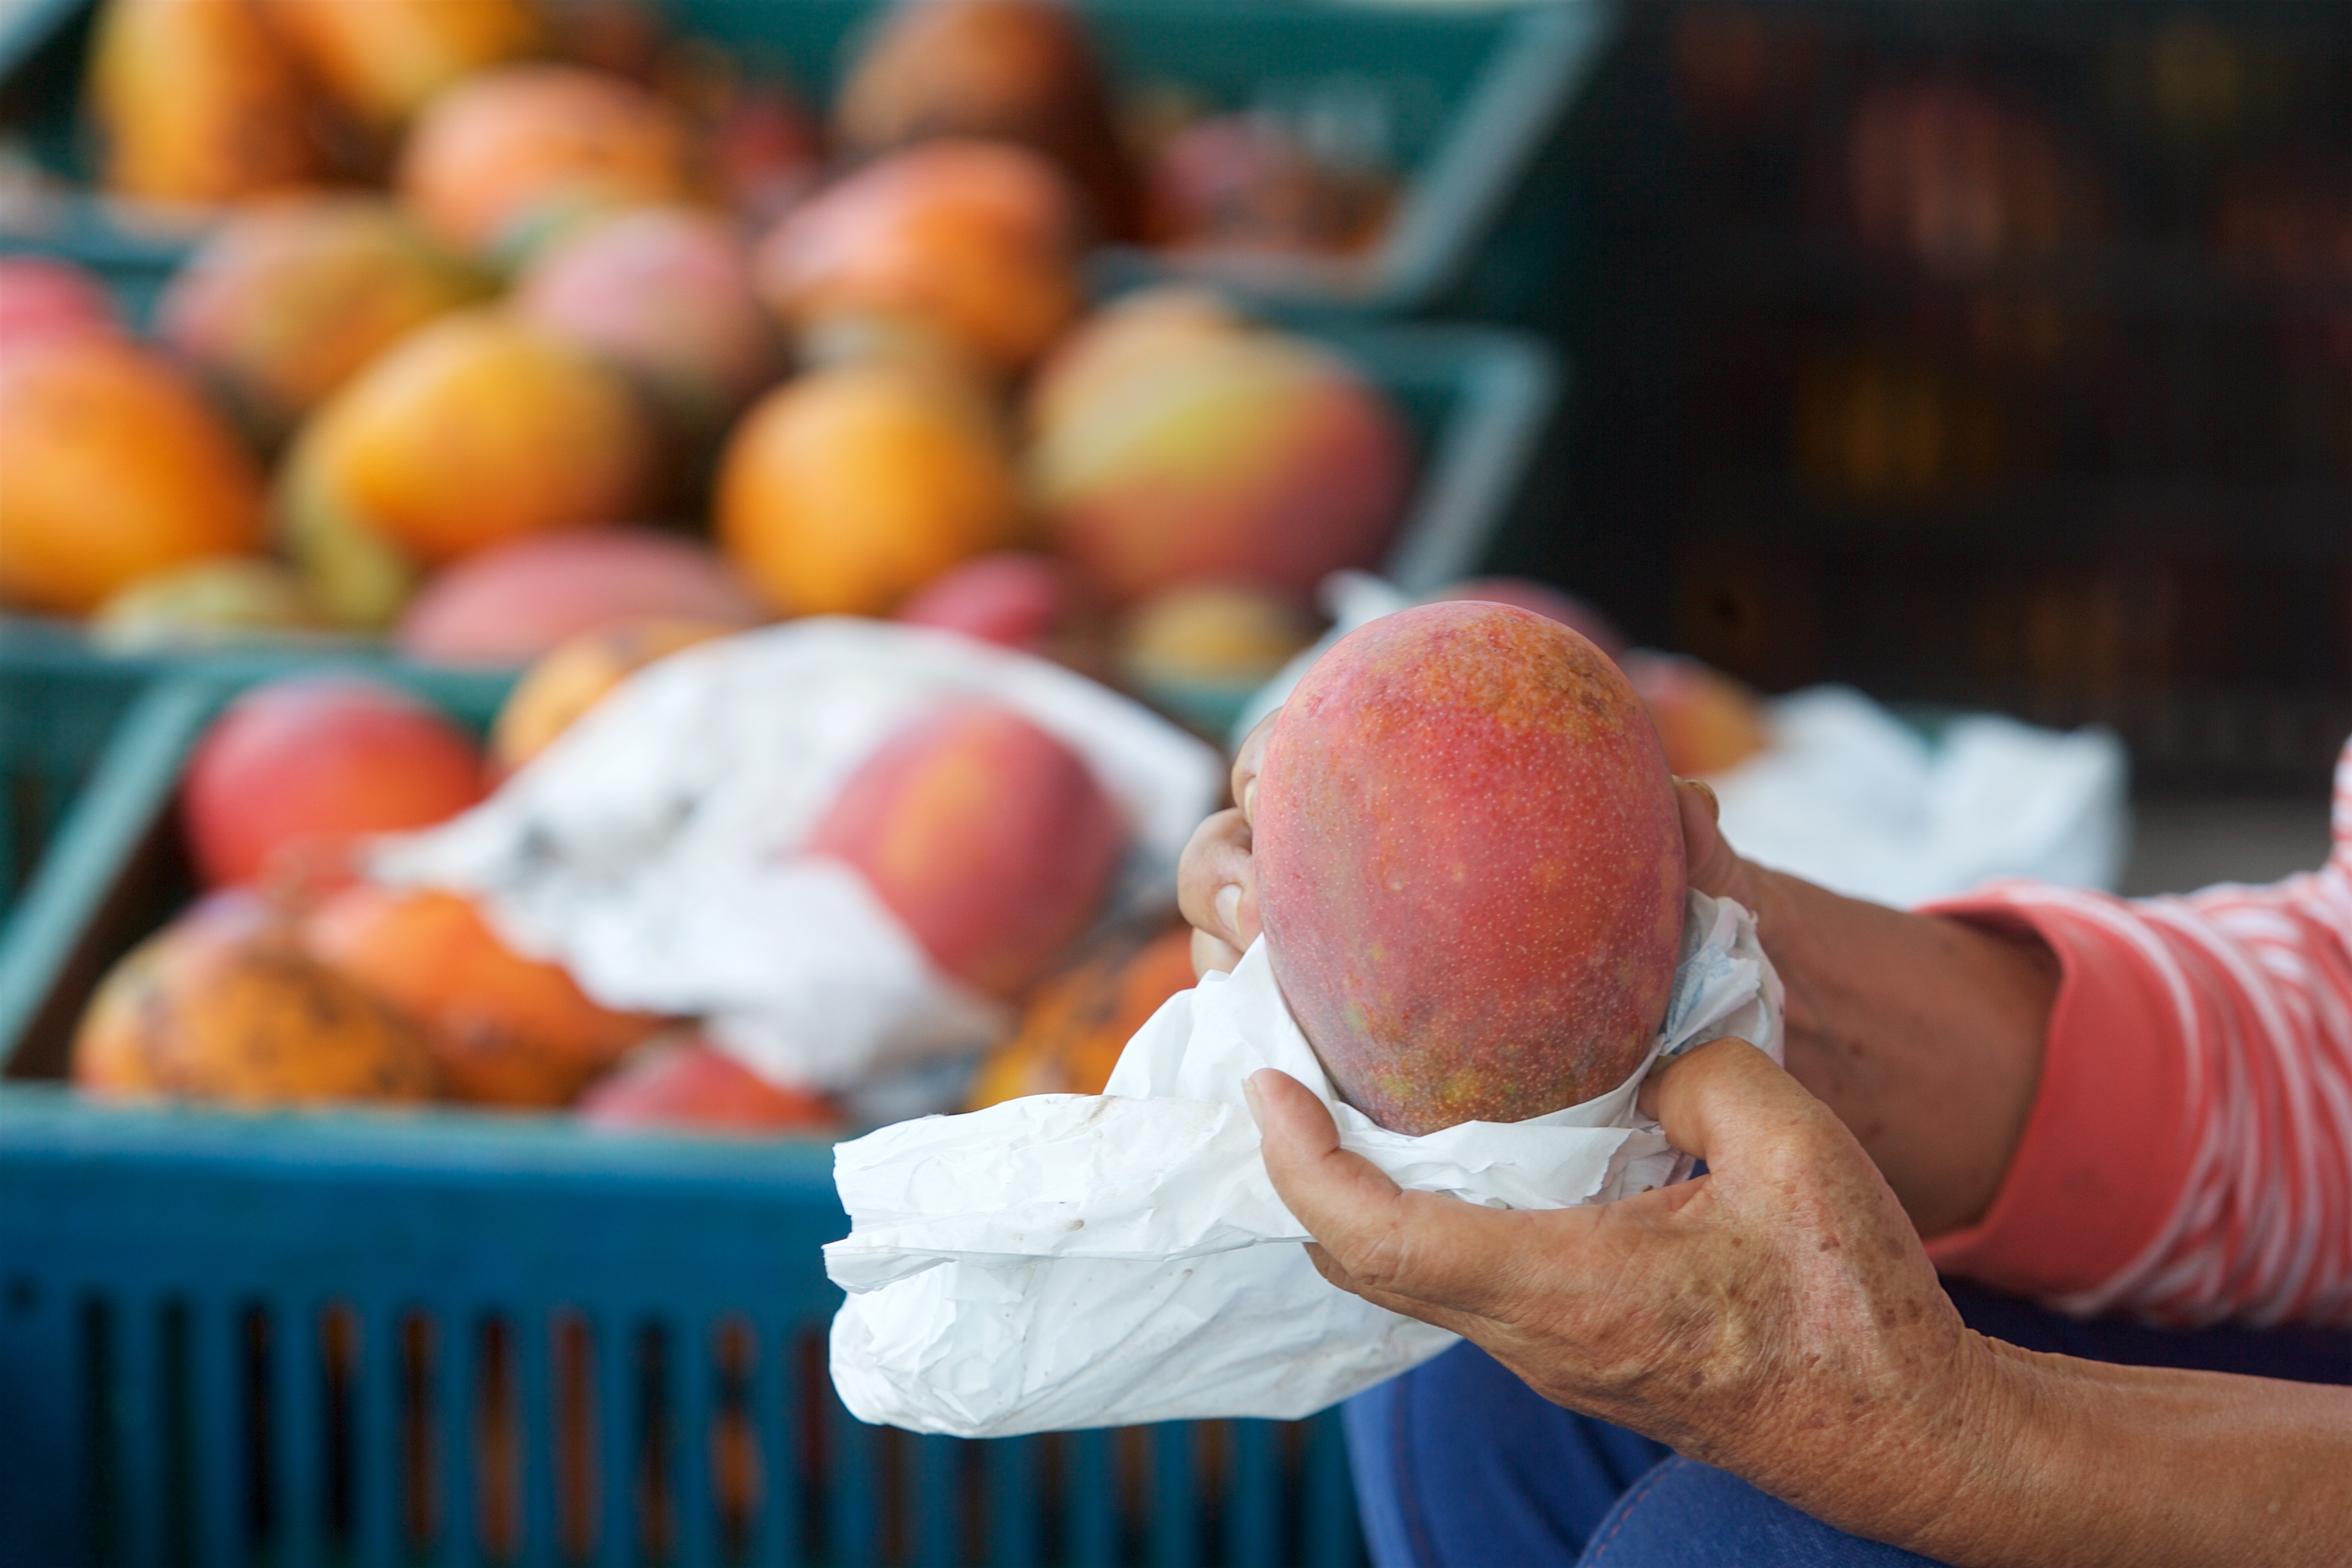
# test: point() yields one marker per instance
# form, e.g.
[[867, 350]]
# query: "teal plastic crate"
[[59, 712], [1472, 94], [379, 1337]]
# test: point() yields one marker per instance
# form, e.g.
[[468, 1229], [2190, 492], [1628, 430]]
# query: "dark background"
[[1997, 355]]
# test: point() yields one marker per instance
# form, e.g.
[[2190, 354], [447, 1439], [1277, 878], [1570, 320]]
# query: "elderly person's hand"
[[1776, 1318]]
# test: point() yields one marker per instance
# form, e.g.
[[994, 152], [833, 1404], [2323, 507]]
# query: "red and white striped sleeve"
[[2189, 1155]]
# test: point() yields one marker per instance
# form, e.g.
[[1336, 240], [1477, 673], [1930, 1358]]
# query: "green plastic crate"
[[59, 712], [234, 1337], [1473, 95]]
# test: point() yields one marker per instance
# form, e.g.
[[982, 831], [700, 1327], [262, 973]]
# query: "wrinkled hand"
[[1776, 1317], [1217, 890]]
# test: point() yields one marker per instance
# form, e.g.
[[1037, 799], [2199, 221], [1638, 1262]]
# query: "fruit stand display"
[[134, 1233], [472, 1335], [387, 387], [152, 1248], [1325, 157]]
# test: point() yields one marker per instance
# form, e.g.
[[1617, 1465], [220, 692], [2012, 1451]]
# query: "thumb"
[[1387, 1243], [1727, 1103], [1714, 868]]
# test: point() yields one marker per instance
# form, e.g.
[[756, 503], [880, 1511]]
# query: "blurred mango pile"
[[511, 310], [295, 979]]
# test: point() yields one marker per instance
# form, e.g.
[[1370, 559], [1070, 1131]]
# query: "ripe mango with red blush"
[[517, 602], [1201, 455], [41, 297], [318, 761], [973, 244], [287, 300], [1019, 71], [1707, 722], [1469, 866], [690, 1085], [509, 156], [665, 293], [1012, 598], [990, 838]]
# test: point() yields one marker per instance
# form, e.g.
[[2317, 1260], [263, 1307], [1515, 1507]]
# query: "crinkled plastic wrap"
[[652, 848], [1093, 1260]]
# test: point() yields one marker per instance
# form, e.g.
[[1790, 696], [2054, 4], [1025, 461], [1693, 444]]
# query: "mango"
[[1706, 722], [506, 158], [196, 100], [844, 491], [580, 673], [1553, 603], [1012, 598], [360, 580], [974, 243], [1013, 70], [991, 839], [287, 300], [666, 293], [312, 762], [1241, 456], [223, 1004], [42, 296], [384, 59], [1469, 866], [1119, 341], [690, 1085], [513, 603], [1080, 1020], [477, 430], [221, 602], [1201, 651], [116, 469], [110, 1054], [502, 1029], [1213, 634]]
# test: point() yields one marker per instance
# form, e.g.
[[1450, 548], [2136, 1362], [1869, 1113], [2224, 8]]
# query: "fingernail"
[[1714, 805], [1229, 908], [1249, 800], [1249, 1097]]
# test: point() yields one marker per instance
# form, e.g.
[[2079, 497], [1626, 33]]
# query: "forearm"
[[1925, 1035], [2081, 1462]]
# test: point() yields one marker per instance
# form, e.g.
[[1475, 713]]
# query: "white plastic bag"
[[1854, 799], [651, 848], [1093, 1260]]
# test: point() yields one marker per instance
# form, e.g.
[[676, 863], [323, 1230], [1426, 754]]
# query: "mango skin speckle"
[[1469, 866]]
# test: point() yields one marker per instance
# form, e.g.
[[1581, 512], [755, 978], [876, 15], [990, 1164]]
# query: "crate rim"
[[428, 1142]]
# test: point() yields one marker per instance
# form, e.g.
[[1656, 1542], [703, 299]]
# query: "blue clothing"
[[1460, 1465]]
